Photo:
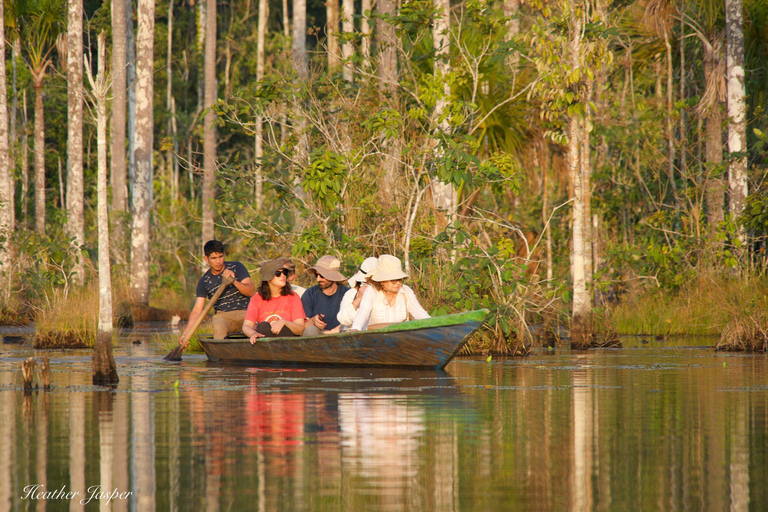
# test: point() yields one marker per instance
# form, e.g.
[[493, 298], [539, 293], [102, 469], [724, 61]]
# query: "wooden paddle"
[[175, 354]]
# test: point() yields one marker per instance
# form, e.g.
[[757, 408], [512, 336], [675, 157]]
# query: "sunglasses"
[[282, 272]]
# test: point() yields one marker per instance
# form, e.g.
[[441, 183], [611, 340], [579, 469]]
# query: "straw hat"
[[328, 267], [389, 268], [367, 268], [268, 269]]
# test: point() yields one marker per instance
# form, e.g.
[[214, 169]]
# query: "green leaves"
[[324, 178]]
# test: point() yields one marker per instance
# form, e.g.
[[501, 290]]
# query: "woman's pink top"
[[286, 307]]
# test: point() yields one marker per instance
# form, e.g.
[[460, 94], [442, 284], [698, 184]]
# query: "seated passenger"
[[322, 301], [291, 266], [358, 283], [388, 300], [274, 310]]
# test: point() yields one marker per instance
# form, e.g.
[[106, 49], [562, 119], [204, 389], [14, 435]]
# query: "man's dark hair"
[[266, 293], [212, 246]]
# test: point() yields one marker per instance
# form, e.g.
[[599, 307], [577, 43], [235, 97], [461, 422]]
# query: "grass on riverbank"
[[704, 307], [68, 321]]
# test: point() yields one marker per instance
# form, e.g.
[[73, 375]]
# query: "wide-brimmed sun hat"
[[367, 268], [268, 269], [328, 267], [388, 268]]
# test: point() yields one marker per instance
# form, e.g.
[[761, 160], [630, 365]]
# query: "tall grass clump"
[[747, 331], [68, 320], [703, 307]]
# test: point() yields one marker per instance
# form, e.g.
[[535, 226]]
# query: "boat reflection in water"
[[612, 430]]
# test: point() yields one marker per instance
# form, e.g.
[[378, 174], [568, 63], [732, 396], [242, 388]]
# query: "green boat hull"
[[428, 343]]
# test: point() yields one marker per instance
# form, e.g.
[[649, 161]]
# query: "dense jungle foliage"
[[349, 165]]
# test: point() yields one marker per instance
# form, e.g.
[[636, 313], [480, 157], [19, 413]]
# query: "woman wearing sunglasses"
[[274, 310]]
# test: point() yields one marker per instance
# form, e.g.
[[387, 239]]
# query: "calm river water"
[[652, 426]]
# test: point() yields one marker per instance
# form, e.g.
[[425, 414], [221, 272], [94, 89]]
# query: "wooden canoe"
[[428, 343]]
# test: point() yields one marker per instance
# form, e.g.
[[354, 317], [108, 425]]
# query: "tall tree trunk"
[[586, 188], [388, 91], [366, 31], [259, 138], [348, 25], [130, 55], [300, 64], [671, 150], [24, 161], [6, 182], [581, 303], [683, 133], [331, 34], [37, 80], [103, 365], [201, 30], [713, 73], [737, 108], [171, 132], [144, 126], [286, 21], [443, 194], [209, 126], [119, 73], [387, 48], [511, 9], [75, 221]]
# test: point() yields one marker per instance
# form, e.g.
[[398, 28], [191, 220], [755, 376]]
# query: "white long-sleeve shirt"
[[374, 308], [347, 311]]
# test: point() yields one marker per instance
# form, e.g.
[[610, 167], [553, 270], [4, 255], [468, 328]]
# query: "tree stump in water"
[[45, 372], [103, 364], [28, 374]]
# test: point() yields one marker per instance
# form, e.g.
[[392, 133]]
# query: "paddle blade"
[[175, 354]]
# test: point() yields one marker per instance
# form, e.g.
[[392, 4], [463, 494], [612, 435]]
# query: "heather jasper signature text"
[[95, 492]]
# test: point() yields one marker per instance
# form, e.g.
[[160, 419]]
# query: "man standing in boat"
[[323, 301], [231, 306]]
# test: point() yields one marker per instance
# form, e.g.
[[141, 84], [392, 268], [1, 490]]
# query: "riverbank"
[[731, 308]]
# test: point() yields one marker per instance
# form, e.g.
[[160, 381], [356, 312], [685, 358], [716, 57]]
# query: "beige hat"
[[367, 268], [328, 267], [388, 268], [268, 269]]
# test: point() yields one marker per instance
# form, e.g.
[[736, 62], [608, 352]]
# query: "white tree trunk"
[[366, 30], [130, 55], [209, 126], [24, 161], [39, 155], [300, 64], [171, 132], [286, 21], [737, 108], [299, 42], [443, 194], [144, 126], [75, 221], [387, 51], [331, 33], [348, 25], [103, 364], [259, 138], [6, 182], [387, 48], [581, 300], [119, 73]]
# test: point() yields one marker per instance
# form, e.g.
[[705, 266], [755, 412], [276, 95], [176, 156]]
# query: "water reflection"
[[610, 430]]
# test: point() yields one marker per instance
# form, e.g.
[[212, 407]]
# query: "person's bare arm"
[[248, 330], [196, 310], [296, 327], [245, 286]]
